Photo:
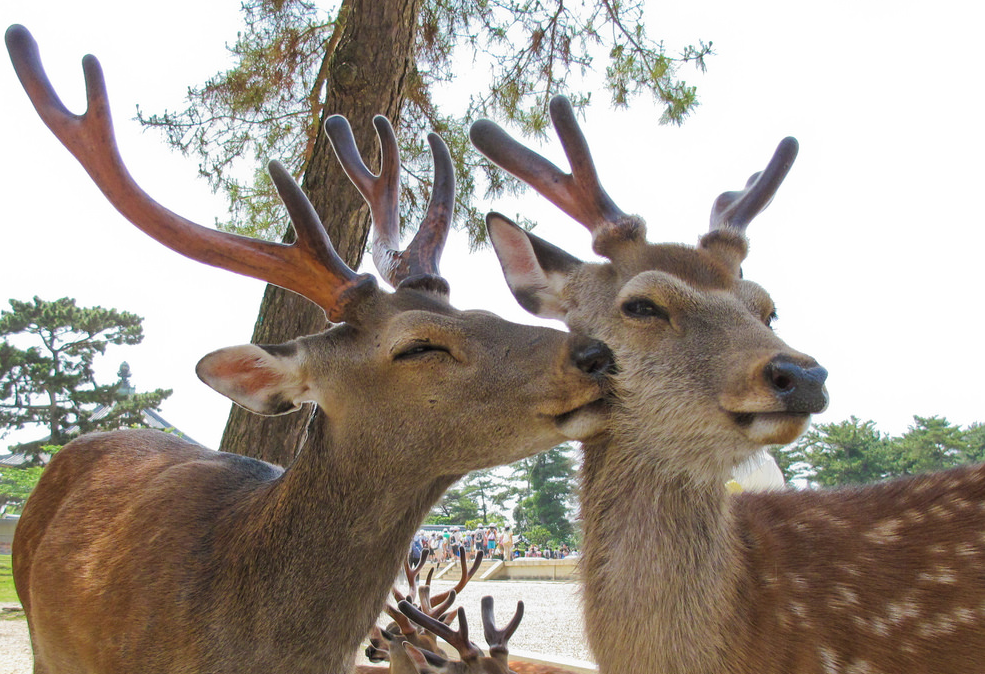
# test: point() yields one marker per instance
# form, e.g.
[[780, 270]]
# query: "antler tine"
[[413, 572], [382, 193], [467, 574], [405, 626], [424, 252], [459, 639], [497, 639], [436, 610], [310, 267], [737, 209], [579, 193]]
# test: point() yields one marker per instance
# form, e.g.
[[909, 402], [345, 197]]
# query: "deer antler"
[[579, 193], [433, 609], [467, 574], [497, 639], [412, 573], [737, 209], [459, 639], [309, 267], [419, 262]]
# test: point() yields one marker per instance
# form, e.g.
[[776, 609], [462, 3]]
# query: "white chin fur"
[[585, 422], [776, 429]]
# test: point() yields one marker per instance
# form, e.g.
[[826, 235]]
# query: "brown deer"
[[679, 576], [139, 552], [406, 658], [436, 607]]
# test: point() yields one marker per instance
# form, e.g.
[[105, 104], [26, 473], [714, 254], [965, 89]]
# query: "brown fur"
[[680, 576], [140, 552]]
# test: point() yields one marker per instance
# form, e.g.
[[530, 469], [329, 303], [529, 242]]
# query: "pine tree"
[[548, 503], [847, 452], [49, 379]]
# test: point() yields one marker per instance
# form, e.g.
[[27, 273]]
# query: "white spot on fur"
[[847, 595], [859, 667], [965, 615], [903, 610], [886, 531], [941, 574], [828, 659], [966, 550]]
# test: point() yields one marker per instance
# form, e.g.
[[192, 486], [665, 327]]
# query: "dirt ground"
[[551, 622]]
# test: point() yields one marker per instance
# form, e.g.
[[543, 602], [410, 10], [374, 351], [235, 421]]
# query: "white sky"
[[871, 249]]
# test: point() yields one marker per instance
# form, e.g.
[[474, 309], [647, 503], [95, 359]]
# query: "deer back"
[[231, 564]]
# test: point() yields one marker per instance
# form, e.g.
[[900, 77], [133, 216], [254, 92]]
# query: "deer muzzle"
[[799, 388]]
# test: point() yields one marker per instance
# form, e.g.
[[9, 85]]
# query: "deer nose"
[[800, 388], [592, 357]]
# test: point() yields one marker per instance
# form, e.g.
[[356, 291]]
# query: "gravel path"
[[15, 645], [551, 621]]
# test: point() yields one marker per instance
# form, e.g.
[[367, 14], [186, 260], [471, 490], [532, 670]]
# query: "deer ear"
[[535, 270], [263, 379], [425, 662]]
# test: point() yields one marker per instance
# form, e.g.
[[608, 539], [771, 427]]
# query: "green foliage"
[[51, 382], [848, 452], [540, 536], [515, 53], [974, 438], [548, 498], [931, 443], [455, 507], [16, 484], [8, 594], [854, 452]]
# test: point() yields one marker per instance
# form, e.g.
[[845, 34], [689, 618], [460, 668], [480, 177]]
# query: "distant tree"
[[974, 437], [548, 501], [17, 483], [488, 490], [931, 443], [46, 369], [455, 507], [847, 452]]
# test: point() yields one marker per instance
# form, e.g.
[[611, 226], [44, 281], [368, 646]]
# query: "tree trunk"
[[367, 76]]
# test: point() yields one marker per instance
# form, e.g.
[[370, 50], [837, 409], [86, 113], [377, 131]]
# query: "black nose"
[[592, 357], [800, 388]]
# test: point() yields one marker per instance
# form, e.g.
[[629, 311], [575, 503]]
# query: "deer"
[[679, 575], [435, 606], [141, 552], [407, 658]]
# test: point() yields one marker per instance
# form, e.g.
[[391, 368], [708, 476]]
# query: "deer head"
[[261, 553], [691, 336]]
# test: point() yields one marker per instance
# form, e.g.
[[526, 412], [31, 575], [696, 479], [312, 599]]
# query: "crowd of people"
[[451, 543]]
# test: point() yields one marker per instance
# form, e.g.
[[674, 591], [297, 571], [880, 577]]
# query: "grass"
[[7, 593]]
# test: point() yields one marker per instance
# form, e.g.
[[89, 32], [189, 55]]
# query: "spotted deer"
[[139, 552], [679, 575]]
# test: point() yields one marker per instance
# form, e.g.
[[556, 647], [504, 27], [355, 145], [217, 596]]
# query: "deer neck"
[[332, 533], [661, 562]]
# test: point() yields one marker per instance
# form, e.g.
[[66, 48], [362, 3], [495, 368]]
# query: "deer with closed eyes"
[[139, 552]]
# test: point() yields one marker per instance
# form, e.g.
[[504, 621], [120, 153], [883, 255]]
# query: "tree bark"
[[367, 76]]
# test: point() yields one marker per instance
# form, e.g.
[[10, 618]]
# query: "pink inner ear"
[[254, 377], [516, 256]]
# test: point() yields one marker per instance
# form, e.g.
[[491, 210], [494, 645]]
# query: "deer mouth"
[[771, 428], [585, 421]]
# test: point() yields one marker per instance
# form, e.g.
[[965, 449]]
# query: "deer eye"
[[771, 319], [644, 308], [417, 349]]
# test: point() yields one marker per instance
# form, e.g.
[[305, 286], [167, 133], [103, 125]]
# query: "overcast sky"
[[872, 248]]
